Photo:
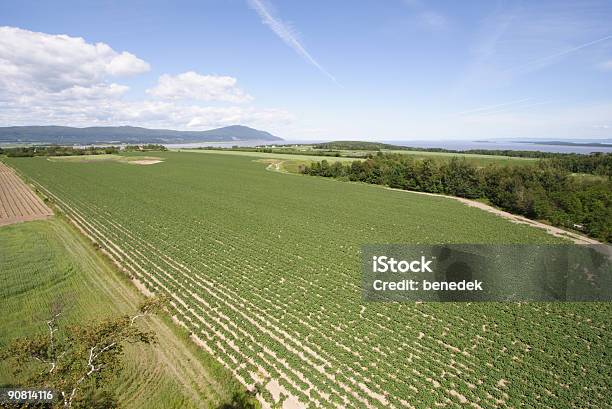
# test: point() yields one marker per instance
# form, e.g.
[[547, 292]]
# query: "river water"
[[459, 145]]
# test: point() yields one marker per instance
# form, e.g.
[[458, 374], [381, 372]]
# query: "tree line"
[[281, 149], [595, 163], [58, 150], [546, 191], [379, 146]]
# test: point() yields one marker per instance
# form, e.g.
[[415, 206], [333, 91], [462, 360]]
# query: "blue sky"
[[372, 70]]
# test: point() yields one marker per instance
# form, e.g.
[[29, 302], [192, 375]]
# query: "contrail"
[[285, 33], [498, 111], [559, 54], [486, 108]]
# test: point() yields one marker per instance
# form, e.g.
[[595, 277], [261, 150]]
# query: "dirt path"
[[274, 164], [176, 360]]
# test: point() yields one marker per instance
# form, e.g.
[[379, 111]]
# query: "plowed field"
[[17, 201]]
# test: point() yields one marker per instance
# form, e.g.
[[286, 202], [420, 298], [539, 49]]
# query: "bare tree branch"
[[52, 329]]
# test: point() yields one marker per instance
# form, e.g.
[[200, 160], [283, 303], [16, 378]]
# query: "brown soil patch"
[[18, 203], [145, 162]]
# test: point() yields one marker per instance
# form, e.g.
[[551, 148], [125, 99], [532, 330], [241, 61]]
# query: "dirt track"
[[17, 201]]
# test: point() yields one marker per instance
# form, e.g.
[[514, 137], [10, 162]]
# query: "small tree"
[[77, 363]]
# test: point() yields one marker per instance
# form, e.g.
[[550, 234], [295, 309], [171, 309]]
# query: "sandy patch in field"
[[145, 162]]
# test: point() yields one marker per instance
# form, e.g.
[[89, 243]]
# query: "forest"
[[549, 191]]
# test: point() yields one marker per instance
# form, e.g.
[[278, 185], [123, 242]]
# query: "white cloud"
[[147, 113], [52, 63], [191, 85], [98, 91], [606, 65], [432, 20], [427, 18], [61, 80], [126, 64]]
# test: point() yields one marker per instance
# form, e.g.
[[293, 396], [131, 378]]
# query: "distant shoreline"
[[458, 145], [564, 143]]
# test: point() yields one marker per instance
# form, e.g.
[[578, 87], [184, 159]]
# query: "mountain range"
[[65, 135]]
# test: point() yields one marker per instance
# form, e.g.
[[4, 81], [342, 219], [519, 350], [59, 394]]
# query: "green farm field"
[[266, 155], [264, 268], [350, 155], [475, 159], [291, 161], [43, 263], [101, 158]]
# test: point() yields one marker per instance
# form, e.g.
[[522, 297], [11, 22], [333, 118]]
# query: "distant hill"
[[65, 135]]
